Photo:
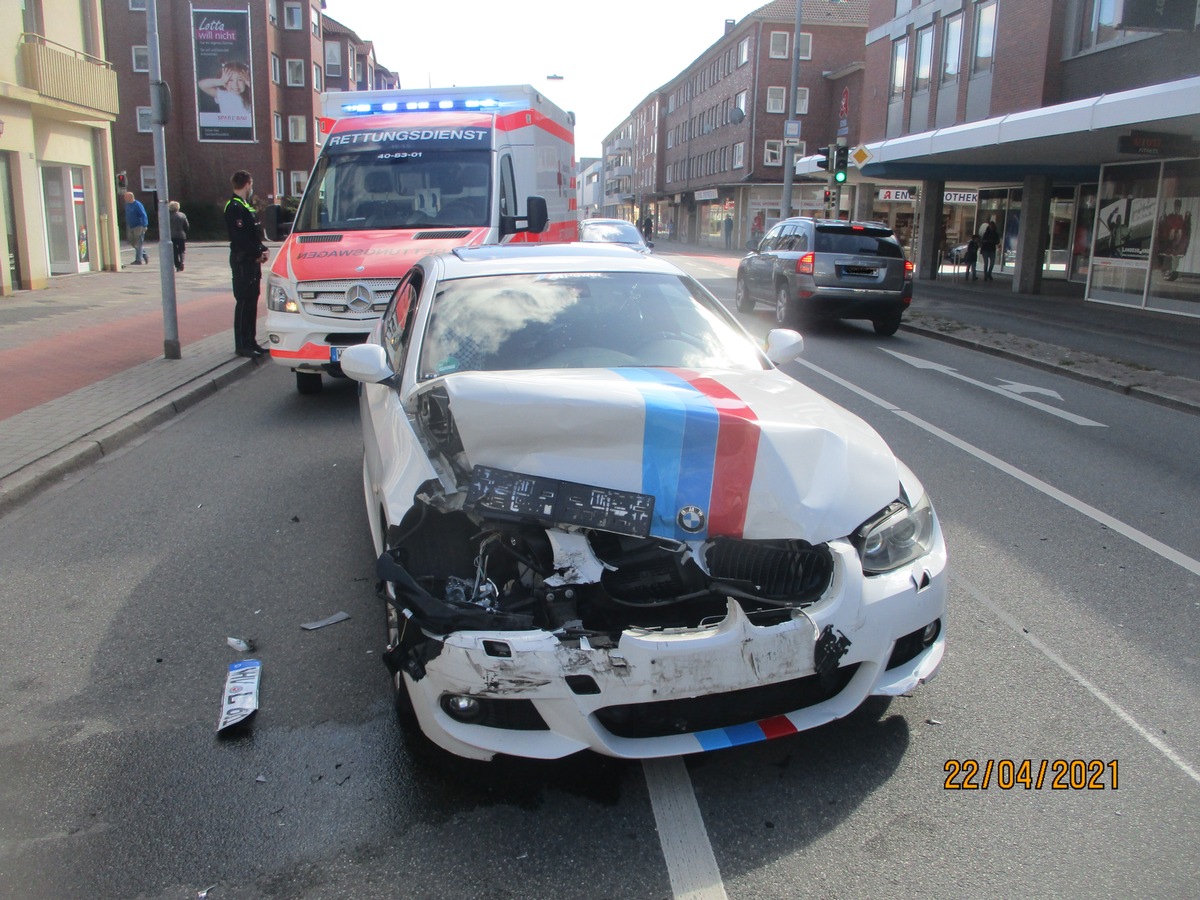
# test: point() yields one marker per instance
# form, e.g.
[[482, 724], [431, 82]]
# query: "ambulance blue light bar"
[[391, 106]]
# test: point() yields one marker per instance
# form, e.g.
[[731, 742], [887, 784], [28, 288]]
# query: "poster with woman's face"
[[224, 88]]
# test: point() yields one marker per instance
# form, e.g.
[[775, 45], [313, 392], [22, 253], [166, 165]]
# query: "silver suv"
[[828, 268]]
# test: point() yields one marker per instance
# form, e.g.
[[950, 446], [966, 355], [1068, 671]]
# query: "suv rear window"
[[863, 243]]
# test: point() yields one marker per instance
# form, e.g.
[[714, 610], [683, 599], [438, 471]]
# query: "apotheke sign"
[[904, 195]]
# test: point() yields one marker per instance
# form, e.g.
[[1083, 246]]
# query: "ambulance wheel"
[[308, 382]]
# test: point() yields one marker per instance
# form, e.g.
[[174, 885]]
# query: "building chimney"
[[729, 23]]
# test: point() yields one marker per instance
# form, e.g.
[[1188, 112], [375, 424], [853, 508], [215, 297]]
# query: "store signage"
[[707, 194], [1157, 143], [895, 195], [905, 195], [960, 197]]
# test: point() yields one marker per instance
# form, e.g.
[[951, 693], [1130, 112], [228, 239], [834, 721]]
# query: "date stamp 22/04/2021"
[[1030, 774]]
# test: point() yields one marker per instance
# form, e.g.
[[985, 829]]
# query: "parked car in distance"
[[606, 520], [614, 231], [828, 268]]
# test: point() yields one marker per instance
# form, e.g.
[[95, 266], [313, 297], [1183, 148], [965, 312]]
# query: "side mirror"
[[366, 363], [536, 218], [274, 225], [752, 246], [650, 244], [782, 346]]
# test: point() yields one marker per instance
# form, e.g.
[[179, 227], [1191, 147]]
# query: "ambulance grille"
[[328, 298], [441, 235], [319, 238]]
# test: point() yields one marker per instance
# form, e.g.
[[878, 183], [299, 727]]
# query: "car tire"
[[784, 313], [745, 303], [888, 325], [308, 382]]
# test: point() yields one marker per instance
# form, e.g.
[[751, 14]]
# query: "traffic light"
[[827, 155], [841, 160], [121, 182], [828, 197]]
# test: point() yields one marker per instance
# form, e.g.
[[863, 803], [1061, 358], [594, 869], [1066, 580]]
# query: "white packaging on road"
[[241, 692]]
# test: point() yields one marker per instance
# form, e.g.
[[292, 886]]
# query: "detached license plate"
[[334, 353]]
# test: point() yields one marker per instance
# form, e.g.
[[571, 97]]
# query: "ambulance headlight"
[[279, 298]]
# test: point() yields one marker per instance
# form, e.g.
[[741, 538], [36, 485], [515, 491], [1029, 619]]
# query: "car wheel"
[[887, 325], [745, 303], [783, 307], [308, 382]]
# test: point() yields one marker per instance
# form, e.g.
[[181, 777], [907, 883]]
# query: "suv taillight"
[[908, 270], [804, 265]]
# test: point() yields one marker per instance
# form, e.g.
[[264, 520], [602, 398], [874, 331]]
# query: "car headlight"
[[278, 298], [897, 536]]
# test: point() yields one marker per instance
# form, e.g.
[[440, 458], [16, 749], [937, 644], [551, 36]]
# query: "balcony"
[[618, 171], [60, 73]]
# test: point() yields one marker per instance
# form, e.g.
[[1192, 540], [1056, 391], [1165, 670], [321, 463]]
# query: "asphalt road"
[[1073, 605]]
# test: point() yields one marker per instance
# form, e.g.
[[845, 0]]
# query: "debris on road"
[[240, 701], [336, 617], [240, 645]]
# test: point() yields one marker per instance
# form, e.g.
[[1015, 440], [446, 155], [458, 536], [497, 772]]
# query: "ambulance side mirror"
[[535, 220], [274, 225]]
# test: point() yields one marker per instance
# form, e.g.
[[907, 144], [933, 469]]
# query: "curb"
[[30, 480]]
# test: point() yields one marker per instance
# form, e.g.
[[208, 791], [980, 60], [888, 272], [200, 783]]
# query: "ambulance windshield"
[[371, 189]]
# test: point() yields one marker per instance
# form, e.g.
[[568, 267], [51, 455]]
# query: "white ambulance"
[[403, 174]]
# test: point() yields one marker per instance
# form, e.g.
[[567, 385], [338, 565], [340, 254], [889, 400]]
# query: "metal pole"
[[789, 153], [166, 256]]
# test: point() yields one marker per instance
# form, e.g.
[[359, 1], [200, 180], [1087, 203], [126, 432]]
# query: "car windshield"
[[580, 320], [863, 243], [371, 189], [609, 232]]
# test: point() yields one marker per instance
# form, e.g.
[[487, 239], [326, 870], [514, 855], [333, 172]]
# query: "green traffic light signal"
[[840, 160], [840, 176]]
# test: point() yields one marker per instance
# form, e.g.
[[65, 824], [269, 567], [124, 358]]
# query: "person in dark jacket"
[[971, 259], [247, 253], [179, 233], [136, 222], [988, 241]]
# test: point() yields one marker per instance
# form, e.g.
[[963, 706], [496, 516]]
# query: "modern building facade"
[[246, 78], [1074, 126], [58, 103]]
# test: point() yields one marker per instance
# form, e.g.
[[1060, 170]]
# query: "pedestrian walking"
[[136, 222], [247, 253], [988, 241], [971, 259], [728, 231], [179, 233], [648, 228]]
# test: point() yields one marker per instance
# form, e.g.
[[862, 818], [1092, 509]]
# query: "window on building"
[[951, 48], [776, 99], [773, 153], [149, 179], [145, 121], [295, 73], [358, 70], [141, 59], [280, 183], [333, 59], [137, 5], [1098, 23], [805, 45], [293, 16], [801, 101], [273, 11], [316, 22], [899, 67], [985, 36], [318, 79], [743, 51], [299, 180], [278, 126], [923, 64], [297, 129], [779, 44], [275, 68], [739, 100]]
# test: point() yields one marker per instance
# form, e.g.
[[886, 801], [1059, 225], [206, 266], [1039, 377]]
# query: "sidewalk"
[[100, 394]]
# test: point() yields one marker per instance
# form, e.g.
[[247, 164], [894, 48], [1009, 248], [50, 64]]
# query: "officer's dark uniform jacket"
[[245, 245]]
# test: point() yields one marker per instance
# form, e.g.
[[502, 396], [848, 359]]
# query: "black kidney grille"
[[795, 571]]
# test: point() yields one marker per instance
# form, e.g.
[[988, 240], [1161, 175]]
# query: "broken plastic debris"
[[241, 692], [336, 617], [240, 645], [203, 894], [933, 722], [261, 779]]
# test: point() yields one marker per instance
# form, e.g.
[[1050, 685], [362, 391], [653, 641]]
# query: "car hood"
[[752, 455]]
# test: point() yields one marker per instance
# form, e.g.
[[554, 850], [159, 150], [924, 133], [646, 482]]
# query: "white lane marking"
[[918, 363], [1170, 554], [1018, 388], [1125, 717], [691, 865]]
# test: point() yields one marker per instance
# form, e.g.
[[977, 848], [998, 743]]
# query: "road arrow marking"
[[1004, 392], [1017, 388]]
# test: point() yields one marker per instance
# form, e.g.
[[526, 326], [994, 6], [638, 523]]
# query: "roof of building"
[[333, 26], [816, 12]]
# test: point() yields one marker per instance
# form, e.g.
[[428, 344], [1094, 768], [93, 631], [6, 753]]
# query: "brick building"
[[246, 79], [1075, 126]]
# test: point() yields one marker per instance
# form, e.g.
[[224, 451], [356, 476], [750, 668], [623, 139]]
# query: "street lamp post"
[[789, 152]]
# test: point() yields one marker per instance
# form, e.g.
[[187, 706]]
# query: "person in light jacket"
[[179, 233]]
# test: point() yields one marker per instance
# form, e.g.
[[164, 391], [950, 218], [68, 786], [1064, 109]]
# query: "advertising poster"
[[224, 87]]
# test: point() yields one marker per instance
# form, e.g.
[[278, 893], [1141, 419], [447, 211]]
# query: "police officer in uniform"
[[247, 253]]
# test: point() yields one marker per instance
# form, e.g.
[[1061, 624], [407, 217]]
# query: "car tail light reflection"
[[908, 270], [804, 265]]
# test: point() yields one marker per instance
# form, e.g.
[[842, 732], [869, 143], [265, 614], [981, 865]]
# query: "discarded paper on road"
[[241, 692]]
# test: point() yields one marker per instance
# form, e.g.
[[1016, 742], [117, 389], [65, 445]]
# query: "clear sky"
[[610, 56]]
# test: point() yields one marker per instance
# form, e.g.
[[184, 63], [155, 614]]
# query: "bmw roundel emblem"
[[691, 519]]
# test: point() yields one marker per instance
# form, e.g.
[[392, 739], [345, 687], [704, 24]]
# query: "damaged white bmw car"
[[605, 520]]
